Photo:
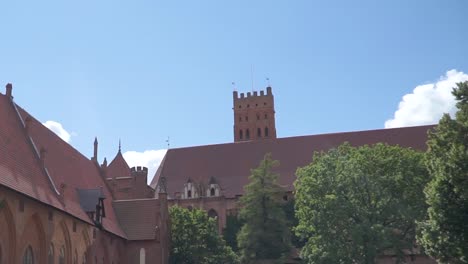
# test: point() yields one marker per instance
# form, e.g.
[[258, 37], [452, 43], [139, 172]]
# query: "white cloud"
[[148, 158], [427, 103], [58, 129]]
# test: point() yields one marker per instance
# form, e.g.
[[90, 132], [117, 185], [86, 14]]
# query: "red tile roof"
[[230, 163], [21, 169], [138, 218], [118, 167]]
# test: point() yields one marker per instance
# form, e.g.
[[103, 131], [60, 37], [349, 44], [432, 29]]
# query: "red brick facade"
[[254, 116], [57, 206]]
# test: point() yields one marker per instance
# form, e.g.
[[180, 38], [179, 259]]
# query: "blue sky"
[[145, 70]]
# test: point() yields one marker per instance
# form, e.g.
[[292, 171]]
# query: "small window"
[[240, 118], [258, 117], [21, 205], [256, 104], [28, 257], [51, 216], [75, 258], [84, 259], [285, 197], [240, 106], [61, 256], [264, 103], [246, 118], [248, 106], [259, 132], [189, 194], [212, 191], [142, 256], [266, 131], [241, 134], [50, 254], [266, 116], [247, 134]]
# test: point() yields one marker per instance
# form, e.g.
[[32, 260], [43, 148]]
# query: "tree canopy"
[[444, 235], [195, 239], [356, 203], [265, 234]]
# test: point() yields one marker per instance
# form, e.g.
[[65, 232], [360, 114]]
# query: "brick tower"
[[254, 116]]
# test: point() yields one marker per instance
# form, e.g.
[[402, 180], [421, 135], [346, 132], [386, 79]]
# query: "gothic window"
[[75, 258], [213, 214], [212, 191], [61, 259], [28, 257], [259, 132], [142, 256], [189, 194], [247, 134], [50, 254], [241, 134], [266, 131]]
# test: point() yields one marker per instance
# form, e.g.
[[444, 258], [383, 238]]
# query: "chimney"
[[9, 88]]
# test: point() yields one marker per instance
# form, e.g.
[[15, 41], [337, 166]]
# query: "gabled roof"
[[118, 167], [67, 169], [230, 163], [138, 218]]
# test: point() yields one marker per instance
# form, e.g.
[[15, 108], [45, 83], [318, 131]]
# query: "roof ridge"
[[302, 136]]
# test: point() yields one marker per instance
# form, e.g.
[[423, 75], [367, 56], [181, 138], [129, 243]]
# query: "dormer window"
[[189, 190], [189, 194], [212, 191]]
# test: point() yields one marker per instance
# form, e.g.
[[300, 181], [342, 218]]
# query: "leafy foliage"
[[354, 204], [233, 226], [265, 234], [195, 239], [445, 234]]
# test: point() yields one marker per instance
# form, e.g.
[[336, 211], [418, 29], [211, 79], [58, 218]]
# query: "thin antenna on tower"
[[233, 86], [168, 142], [268, 81], [252, 76]]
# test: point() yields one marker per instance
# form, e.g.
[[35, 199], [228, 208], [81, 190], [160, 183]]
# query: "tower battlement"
[[240, 96], [254, 115]]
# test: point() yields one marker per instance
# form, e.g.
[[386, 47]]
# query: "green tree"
[[265, 234], [354, 204], [233, 226], [444, 235], [195, 239]]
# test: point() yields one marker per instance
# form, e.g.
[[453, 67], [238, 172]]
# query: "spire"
[[120, 146], [95, 149]]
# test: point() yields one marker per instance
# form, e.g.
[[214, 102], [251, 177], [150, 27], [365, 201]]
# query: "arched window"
[[212, 191], [266, 131], [241, 134], [259, 132], [247, 134], [61, 259], [75, 258], [28, 257], [50, 254], [213, 214], [142, 256], [189, 194]]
